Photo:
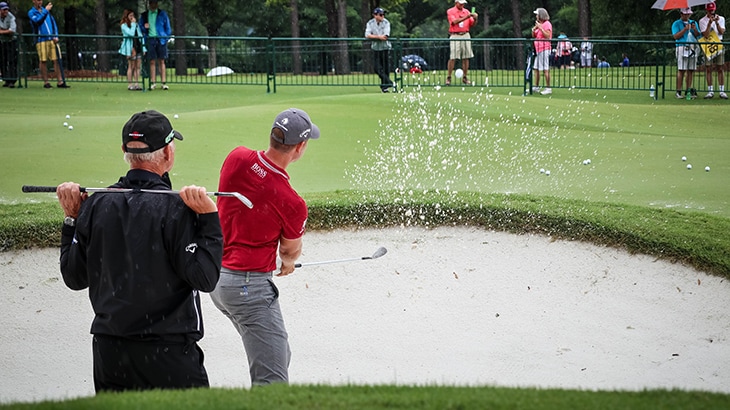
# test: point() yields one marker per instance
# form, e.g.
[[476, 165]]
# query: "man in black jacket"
[[144, 257]]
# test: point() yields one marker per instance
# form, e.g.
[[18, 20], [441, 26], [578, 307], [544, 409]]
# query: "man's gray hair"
[[146, 157]]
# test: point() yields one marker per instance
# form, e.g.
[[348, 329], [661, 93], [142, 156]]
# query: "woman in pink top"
[[542, 32]]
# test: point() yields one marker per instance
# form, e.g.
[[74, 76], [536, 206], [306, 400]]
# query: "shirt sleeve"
[[73, 257], [197, 249]]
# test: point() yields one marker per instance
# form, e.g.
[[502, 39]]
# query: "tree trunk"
[[584, 18], [342, 61], [69, 19], [487, 54], [368, 65], [517, 33], [296, 54], [102, 43], [178, 21]]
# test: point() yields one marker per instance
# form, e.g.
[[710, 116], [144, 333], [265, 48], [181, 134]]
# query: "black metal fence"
[[277, 62]]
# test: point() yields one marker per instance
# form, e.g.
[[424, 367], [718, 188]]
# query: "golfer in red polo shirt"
[[246, 293]]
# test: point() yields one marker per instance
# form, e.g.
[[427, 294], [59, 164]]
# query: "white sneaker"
[[723, 95], [709, 95], [165, 87], [535, 89], [153, 86], [546, 91]]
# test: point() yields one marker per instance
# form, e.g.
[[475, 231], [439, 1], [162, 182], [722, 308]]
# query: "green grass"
[[398, 397], [476, 162]]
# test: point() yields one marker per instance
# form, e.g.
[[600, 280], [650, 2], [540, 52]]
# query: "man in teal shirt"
[[156, 29]]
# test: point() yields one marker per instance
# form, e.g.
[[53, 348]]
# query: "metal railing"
[[277, 62]]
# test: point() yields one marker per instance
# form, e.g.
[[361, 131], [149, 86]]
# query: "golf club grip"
[[37, 188]]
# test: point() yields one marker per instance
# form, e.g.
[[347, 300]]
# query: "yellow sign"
[[711, 50]]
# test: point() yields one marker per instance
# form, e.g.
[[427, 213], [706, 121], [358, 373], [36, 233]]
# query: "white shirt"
[[720, 22]]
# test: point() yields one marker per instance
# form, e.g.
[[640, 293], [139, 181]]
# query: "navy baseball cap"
[[4, 6], [151, 128], [378, 10], [296, 126]]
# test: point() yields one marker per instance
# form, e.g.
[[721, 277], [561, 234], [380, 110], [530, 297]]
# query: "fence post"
[[271, 69], [398, 74]]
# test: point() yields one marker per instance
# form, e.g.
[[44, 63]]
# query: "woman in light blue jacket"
[[133, 48]]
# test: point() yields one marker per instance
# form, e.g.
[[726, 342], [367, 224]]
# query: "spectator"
[[8, 46], [565, 48], [46, 29], [246, 293], [603, 63], [624, 60], [460, 21], [156, 28], [685, 32], [378, 30], [712, 27], [144, 258], [586, 53], [542, 31], [132, 48]]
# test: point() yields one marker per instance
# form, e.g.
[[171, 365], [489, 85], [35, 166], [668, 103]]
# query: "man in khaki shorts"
[[460, 21], [712, 27]]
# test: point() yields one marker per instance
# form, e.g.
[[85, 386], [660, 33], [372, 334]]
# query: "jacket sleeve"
[[197, 249], [73, 260], [166, 25], [141, 22], [37, 16]]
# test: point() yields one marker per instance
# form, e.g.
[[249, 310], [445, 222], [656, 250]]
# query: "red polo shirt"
[[454, 14], [251, 236]]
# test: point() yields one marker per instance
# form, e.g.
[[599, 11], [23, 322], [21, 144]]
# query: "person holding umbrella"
[[685, 32]]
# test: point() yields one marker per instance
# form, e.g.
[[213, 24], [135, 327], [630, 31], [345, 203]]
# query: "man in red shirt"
[[460, 21], [246, 293]]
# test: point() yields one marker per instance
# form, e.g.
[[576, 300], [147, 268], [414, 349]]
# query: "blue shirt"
[[678, 26]]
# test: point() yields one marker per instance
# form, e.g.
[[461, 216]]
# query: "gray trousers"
[[251, 301]]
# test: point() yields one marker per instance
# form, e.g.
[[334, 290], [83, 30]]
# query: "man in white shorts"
[[686, 33], [712, 27]]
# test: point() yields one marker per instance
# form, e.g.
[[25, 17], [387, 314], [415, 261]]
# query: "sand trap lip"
[[450, 305]]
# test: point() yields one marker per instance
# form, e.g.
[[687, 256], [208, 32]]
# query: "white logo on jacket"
[[191, 248]]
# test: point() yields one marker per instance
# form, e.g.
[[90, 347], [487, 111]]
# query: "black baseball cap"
[[296, 126], [151, 128], [378, 10]]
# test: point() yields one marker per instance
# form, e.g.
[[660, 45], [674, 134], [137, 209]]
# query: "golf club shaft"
[[37, 188], [299, 265], [378, 253]]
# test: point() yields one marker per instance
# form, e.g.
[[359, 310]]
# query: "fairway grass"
[[635, 144]]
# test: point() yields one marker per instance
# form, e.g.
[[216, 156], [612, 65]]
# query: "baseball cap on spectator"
[[710, 6], [4, 6], [685, 10], [378, 10], [461, 1], [151, 128], [296, 127]]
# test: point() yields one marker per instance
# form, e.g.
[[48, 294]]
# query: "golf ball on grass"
[[689, 166], [175, 116], [547, 172], [707, 169], [684, 158], [70, 127], [68, 116], [65, 124], [459, 73]]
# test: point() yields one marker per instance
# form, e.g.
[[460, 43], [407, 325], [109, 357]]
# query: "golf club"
[[378, 253], [36, 188]]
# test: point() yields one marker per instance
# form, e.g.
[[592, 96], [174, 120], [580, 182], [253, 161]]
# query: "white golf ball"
[[689, 166], [707, 169], [65, 124], [68, 116], [459, 73], [684, 158], [588, 161], [542, 170], [175, 116], [547, 172], [585, 162], [70, 127]]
